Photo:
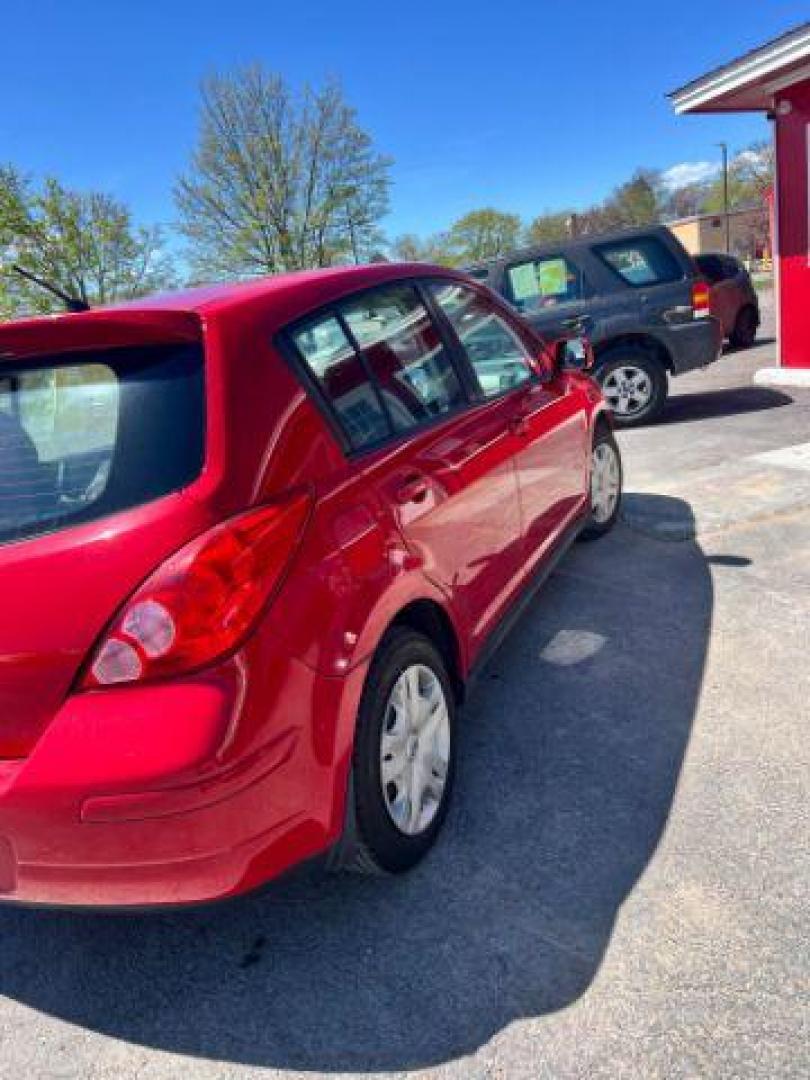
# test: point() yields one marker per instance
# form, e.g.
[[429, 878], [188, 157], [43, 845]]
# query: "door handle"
[[413, 489]]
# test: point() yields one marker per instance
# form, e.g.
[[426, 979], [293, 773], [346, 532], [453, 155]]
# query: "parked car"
[[254, 542], [637, 295], [732, 297]]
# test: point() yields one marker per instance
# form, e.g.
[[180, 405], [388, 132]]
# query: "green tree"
[[484, 234], [83, 243], [750, 174], [684, 202], [435, 249], [279, 180], [753, 167], [549, 227], [632, 203]]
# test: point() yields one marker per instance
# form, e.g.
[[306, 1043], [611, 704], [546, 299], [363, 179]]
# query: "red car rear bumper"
[[177, 793]]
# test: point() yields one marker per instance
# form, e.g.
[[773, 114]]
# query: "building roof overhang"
[[751, 82]]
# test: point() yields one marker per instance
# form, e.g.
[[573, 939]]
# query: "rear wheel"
[[744, 333], [404, 757], [606, 485], [634, 384]]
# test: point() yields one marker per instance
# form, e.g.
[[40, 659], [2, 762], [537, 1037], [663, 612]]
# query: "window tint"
[[405, 354], [710, 267], [731, 267], [541, 283], [100, 433], [641, 261], [340, 374], [494, 350]]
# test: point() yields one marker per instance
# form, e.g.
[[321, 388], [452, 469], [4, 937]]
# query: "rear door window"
[[100, 432], [380, 363], [405, 354], [642, 261], [343, 380], [495, 352], [536, 284]]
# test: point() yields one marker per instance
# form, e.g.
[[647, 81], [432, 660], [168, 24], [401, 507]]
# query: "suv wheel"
[[606, 485], [634, 384], [404, 757], [744, 333]]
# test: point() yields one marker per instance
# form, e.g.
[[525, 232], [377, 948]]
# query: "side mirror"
[[574, 354]]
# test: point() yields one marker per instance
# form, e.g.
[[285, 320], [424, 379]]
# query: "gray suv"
[[636, 294]]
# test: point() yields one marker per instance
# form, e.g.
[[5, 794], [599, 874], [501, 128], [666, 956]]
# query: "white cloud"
[[757, 159], [689, 172]]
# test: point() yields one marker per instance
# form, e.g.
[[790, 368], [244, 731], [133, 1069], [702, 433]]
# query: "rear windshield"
[[641, 261], [86, 434]]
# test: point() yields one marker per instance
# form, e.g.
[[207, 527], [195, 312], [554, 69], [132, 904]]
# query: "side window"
[[546, 282], [641, 261], [405, 354], [339, 372], [493, 349]]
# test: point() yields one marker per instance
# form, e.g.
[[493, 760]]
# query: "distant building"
[[748, 227]]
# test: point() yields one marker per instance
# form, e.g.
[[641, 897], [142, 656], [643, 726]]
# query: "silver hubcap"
[[605, 482], [627, 390], [415, 749]]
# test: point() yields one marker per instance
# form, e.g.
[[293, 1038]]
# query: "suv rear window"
[[84, 435], [641, 261], [710, 267]]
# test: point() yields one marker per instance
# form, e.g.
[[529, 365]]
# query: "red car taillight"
[[700, 300], [200, 604]]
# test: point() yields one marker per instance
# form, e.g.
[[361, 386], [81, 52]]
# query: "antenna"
[[71, 302]]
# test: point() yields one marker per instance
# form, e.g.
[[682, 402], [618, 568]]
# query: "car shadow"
[[573, 742], [729, 349], [715, 404]]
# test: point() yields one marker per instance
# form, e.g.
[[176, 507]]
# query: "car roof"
[[180, 315], [716, 255], [585, 240], [303, 285]]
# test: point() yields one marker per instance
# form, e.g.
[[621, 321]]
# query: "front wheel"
[[404, 757], [606, 485], [634, 385]]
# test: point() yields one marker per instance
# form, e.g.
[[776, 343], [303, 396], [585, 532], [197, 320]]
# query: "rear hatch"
[[102, 420]]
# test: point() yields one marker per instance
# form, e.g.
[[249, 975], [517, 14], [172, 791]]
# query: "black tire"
[[596, 528], [373, 842], [744, 333], [638, 359]]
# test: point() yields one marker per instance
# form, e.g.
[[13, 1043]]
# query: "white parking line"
[[787, 457]]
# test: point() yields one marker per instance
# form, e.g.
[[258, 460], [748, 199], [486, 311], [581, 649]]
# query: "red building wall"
[[792, 163]]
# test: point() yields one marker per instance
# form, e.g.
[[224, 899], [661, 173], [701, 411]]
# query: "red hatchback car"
[[254, 540]]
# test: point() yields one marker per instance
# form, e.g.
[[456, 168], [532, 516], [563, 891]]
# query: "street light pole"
[[726, 222]]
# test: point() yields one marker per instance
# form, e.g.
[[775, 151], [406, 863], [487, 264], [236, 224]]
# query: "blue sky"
[[527, 106]]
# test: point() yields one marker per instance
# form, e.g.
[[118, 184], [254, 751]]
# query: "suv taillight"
[[201, 603], [700, 300]]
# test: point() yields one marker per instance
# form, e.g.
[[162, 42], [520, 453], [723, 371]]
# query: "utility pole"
[[724, 148]]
